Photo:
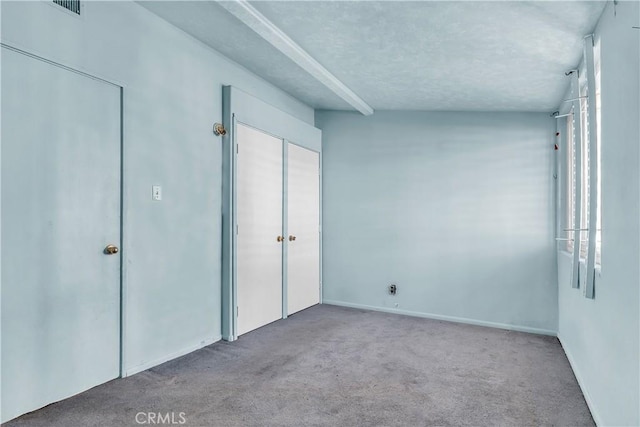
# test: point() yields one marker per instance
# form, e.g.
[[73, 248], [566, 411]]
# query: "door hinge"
[[237, 228], [237, 148], [237, 311]]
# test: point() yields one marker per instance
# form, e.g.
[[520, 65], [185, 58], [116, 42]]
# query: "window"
[[570, 180], [582, 161], [599, 155], [583, 233], [582, 170]]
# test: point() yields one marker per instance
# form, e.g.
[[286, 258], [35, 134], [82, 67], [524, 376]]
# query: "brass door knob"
[[292, 238], [111, 249], [280, 238]]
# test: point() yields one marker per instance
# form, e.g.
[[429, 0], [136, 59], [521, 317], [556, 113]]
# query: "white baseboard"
[[147, 365], [445, 318], [585, 393]]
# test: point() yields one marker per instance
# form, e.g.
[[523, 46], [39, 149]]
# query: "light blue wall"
[[457, 209], [172, 96], [601, 336]]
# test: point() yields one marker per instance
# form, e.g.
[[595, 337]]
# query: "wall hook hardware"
[[219, 129]]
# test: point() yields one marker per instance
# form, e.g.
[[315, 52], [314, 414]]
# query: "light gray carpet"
[[336, 366]]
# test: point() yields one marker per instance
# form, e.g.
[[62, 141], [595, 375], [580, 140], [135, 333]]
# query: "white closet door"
[[303, 262], [60, 209], [259, 219]]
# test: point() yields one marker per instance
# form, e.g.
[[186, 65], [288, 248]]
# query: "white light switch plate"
[[156, 192]]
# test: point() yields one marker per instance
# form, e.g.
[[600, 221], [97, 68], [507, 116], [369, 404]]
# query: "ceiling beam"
[[255, 20]]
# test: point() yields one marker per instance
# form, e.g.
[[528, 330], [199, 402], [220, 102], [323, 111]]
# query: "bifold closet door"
[[259, 232], [303, 261], [60, 233]]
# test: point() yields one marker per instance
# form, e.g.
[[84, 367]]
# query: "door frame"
[[242, 108], [121, 189]]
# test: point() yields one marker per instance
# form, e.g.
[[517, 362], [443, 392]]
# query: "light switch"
[[156, 192]]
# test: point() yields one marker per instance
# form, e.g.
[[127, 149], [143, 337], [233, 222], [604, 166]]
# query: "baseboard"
[[585, 393], [147, 365], [445, 318]]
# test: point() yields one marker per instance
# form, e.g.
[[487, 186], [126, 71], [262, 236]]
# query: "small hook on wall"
[[219, 130]]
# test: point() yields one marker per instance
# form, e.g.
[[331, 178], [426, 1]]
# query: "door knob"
[[280, 238], [292, 238], [111, 249]]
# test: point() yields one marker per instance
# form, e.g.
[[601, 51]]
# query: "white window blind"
[[599, 155], [585, 171], [570, 180]]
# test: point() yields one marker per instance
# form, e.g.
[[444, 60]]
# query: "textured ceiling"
[[399, 55], [211, 24]]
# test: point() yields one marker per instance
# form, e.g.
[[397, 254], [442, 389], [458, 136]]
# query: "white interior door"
[[259, 233], [60, 208], [303, 261]]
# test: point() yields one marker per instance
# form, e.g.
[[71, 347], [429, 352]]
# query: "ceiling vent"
[[70, 5]]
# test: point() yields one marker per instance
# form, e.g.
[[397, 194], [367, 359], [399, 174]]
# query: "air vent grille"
[[71, 5]]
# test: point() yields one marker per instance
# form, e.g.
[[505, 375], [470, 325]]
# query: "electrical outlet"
[[393, 289]]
